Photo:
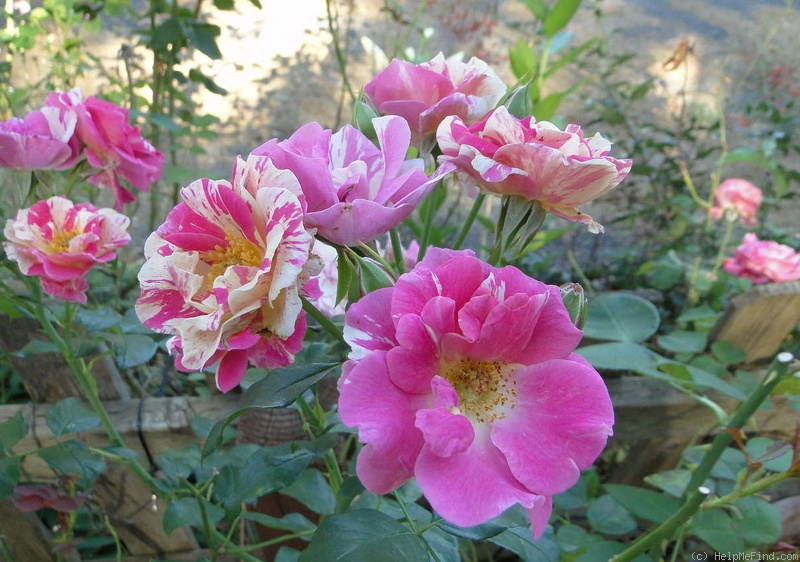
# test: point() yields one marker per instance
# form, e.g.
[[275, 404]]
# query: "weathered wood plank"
[[759, 320], [24, 536]]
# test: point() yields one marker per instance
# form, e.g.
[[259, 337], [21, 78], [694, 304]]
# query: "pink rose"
[[60, 241], [224, 272], [112, 145], [355, 191], [763, 261], [44, 139], [424, 94], [739, 197], [509, 156], [463, 375]]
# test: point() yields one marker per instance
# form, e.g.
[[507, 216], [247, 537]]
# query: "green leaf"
[[131, 350], [745, 154], [716, 528], [538, 8], [519, 102], [673, 482], [280, 387], [727, 352], [98, 319], [373, 277], [559, 16], [178, 464], [35, 347], [266, 470], [703, 314], [277, 389], [773, 455], [758, 522], [292, 522], [12, 431], [519, 540], [571, 538], [683, 341], [73, 457], [573, 498], [9, 475], [646, 504], [70, 416], [224, 4], [185, 512], [364, 535], [621, 317], [169, 32], [523, 60], [624, 356], [607, 516], [199, 78], [445, 545], [203, 36], [545, 109], [313, 490]]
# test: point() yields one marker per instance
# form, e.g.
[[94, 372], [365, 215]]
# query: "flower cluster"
[[69, 127], [763, 261]]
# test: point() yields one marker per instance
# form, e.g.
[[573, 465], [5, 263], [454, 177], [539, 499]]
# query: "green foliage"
[[70, 416]]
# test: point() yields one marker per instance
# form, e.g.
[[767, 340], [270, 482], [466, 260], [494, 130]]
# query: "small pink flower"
[[33, 498], [424, 94], [44, 139], [112, 145], [224, 271], [354, 190], [763, 261], [60, 241], [322, 288], [509, 156], [739, 197], [463, 375]]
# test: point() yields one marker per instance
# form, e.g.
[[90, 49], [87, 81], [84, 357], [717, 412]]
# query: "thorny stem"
[[748, 490]]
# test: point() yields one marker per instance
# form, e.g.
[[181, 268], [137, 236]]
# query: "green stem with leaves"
[[782, 367]]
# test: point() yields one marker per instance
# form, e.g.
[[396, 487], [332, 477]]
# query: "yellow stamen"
[[239, 251], [61, 239], [484, 389]]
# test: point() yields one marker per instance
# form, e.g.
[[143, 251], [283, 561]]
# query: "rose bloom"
[[224, 271], [739, 197], [60, 241], [424, 94], [112, 145], [463, 375], [355, 191], [509, 156], [44, 139], [763, 261]]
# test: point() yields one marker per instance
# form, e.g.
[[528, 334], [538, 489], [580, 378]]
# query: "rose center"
[[485, 392], [239, 251], [59, 243]]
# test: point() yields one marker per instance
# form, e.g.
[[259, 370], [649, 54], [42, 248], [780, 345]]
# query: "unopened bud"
[[575, 302]]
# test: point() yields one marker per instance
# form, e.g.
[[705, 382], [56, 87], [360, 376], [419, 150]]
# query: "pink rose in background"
[[409, 253], [44, 139], [112, 145], [424, 94], [738, 196], [224, 272], [763, 261], [463, 375], [355, 191], [321, 289], [60, 241], [509, 156]]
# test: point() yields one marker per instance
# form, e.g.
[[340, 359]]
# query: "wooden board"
[[760, 320]]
